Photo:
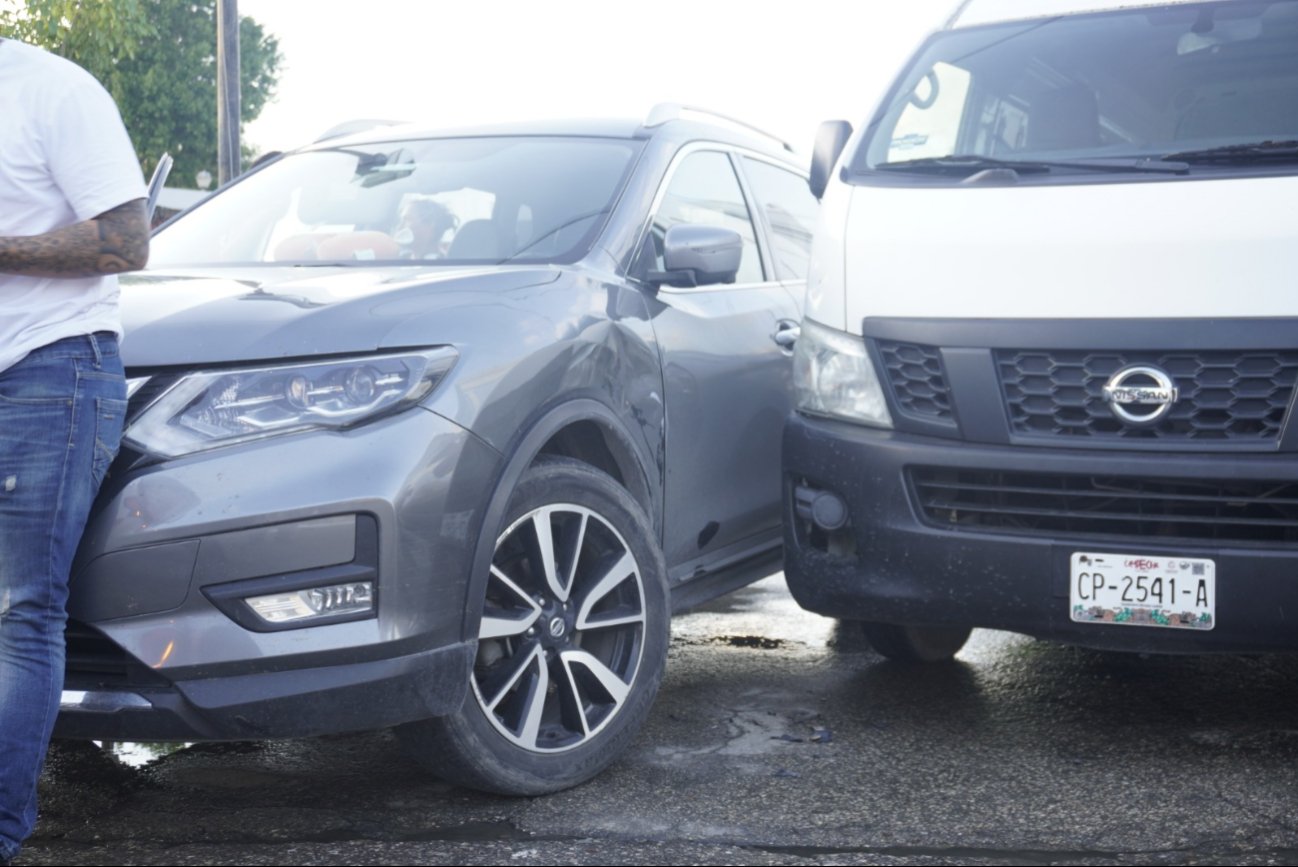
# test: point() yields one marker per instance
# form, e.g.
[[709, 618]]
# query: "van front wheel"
[[909, 643]]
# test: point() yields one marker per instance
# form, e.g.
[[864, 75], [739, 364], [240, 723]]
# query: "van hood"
[[975, 12], [222, 315], [1184, 248]]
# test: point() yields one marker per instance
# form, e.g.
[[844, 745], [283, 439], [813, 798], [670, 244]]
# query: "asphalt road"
[[777, 739]]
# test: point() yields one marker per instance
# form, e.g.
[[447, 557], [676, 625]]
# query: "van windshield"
[[1157, 88]]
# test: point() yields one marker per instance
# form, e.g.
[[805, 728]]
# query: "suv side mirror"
[[831, 138], [699, 256]]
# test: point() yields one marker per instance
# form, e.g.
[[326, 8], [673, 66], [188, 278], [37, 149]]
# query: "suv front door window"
[[704, 191]]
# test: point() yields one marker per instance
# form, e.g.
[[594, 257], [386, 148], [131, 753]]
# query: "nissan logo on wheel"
[[1140, 394]]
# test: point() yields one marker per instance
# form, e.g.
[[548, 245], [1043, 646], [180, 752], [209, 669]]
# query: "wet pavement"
[[778, 738]]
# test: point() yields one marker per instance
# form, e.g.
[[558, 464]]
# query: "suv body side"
[[554, 361]]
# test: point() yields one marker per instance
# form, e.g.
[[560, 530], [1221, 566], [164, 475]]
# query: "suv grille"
[[93, 660], [1152, 509], [1224, 395], [918, 380]]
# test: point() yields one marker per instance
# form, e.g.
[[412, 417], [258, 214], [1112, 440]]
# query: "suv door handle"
[[786, 334]]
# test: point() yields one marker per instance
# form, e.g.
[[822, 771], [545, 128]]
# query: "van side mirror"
[[699, 256], [831, 138]]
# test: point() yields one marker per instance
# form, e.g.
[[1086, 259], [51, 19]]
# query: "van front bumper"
[[897, 559]]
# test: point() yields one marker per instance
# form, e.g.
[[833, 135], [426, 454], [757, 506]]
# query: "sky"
[[783, 67]]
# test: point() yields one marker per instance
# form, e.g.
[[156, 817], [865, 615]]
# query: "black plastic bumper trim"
[[284, 704], [900, 569]]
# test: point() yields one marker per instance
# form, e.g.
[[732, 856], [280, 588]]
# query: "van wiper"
[[1251, 152], [958, 164]]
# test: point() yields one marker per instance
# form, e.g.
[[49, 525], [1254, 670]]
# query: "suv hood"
[[221, 315]]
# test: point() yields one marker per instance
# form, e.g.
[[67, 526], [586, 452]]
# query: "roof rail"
[[665, 111], [955, 16], [348, 127]]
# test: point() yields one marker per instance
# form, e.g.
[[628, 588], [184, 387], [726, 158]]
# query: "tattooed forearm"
[[123, 238], [113, 242]]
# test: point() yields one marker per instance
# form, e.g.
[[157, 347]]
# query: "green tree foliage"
[[158, 60], [94, 33]]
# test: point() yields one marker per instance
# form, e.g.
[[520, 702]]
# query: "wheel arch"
[[607, 449], [584, 430]]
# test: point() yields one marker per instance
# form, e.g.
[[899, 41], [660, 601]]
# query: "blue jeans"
[[61, 412]]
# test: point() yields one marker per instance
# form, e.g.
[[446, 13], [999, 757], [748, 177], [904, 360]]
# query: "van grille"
[[918, 380], [1049, 504], [1224, 395]]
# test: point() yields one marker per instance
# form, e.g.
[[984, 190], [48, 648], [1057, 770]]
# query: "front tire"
[[572, 641]]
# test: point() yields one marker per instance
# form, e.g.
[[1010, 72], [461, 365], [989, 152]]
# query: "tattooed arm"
[[115, 241]]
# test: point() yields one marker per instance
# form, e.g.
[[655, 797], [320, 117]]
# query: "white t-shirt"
[[64, 157]]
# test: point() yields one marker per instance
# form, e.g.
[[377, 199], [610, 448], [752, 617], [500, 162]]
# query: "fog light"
[[822, 508], [314, 602]]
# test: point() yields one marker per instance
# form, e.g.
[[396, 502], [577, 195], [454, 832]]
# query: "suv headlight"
[[212, 408], [833, 376]]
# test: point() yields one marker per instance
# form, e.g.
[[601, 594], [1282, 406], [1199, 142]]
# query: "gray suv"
[[433, 430]]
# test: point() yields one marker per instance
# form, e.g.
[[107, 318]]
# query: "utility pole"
[[227, 90]]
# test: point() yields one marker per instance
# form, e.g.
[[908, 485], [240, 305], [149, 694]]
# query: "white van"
[[1046, 378]]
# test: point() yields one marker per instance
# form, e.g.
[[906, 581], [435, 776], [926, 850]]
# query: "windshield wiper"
[[967, 163], [1251, 152]]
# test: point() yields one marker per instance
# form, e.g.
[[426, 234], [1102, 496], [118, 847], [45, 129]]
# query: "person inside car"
[[423, 227]]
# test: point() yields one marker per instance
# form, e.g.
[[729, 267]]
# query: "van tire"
[[910, 643]]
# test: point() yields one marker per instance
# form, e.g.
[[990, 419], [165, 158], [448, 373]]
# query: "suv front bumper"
[[161, 645]]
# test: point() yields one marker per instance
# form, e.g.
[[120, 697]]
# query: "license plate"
[[1143, 590]]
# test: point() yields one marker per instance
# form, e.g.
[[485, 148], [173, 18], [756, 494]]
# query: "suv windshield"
[[454, 200], [1131, 89]]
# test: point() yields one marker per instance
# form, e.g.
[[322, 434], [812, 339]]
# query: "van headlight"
[[211, 408], [834, 377]]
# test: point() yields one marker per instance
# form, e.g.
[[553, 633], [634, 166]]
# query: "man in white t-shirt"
[[72, 215]]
